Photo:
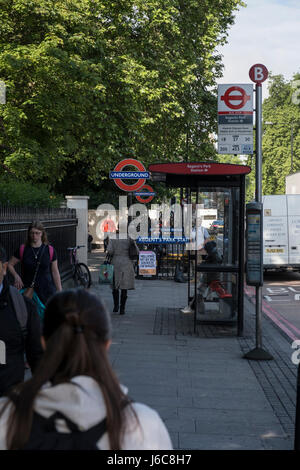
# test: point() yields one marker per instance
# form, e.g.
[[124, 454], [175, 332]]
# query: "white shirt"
[[84, 405], [202, 236]]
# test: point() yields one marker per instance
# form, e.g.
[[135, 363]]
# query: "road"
[[281, 301]]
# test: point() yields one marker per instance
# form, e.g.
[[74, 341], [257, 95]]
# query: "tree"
[[90, 82], [250, 178], [281, 124]]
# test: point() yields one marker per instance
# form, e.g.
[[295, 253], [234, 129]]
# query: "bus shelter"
[[215, 290]]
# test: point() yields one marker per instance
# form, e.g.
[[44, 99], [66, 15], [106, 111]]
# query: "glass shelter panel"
[[217, 299], [217, 190], [216, 253]]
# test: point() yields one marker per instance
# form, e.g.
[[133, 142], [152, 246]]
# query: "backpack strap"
[[51, 252], [44, 435], [20, 308], [22, 248]]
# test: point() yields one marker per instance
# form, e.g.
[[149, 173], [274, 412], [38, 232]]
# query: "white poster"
[[147, 263]]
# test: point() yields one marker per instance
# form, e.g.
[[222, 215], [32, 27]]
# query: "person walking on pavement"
[[15, 342], [74, 401], [36, 249], [108, 228], [124, 275]]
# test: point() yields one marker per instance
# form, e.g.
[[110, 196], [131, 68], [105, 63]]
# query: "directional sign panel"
[[235, 119]]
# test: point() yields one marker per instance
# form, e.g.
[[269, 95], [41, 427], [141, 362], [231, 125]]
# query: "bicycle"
[[80, 272]]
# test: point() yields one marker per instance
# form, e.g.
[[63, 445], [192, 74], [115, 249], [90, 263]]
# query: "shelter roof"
[[199, 168]]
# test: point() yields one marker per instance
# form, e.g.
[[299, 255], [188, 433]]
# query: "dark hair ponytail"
[[76, 329]]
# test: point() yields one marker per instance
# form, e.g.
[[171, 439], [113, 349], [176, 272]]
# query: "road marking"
[[292, 331], [269, 299], [282, 322]]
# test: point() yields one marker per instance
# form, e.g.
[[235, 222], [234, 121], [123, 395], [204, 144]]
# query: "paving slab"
[[208, 395]]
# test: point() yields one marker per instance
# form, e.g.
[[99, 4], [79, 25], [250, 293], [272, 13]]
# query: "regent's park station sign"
[[144, 194]]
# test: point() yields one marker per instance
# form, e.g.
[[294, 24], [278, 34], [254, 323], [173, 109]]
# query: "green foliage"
[[233, 159], [282, 112], [250, 178], [108, 192], [15, 193], [90, 82]]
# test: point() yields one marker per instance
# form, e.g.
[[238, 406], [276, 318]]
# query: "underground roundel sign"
[[235, 97], [147, 192], [118, 174], [140, 189]]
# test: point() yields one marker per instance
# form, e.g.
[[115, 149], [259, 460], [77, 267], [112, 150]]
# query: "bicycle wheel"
[[82, 275]]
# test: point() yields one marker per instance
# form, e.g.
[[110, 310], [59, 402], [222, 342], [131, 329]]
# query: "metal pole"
[[129, 199], [188, 199], [258, 304], [196, 263], [258, 125], [258, 353], [292, 146], [240, 326], [258, 145]]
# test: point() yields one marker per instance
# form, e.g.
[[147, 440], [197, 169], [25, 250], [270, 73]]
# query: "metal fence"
[[60, 225]]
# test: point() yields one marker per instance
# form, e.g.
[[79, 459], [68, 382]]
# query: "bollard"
[[297, 420]]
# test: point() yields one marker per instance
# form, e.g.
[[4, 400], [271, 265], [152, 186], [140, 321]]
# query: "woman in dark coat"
[[124, 274]]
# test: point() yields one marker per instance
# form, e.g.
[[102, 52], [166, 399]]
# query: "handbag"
[[29, 291], [106, 272], [40, 307], [133, 250]]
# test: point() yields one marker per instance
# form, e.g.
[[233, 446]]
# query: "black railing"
[[60, 225]]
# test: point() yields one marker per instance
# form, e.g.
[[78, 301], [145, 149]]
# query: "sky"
[[265, 32]]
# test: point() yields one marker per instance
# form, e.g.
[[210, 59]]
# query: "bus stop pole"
[[258, 198], [196, 263], [258, 354]]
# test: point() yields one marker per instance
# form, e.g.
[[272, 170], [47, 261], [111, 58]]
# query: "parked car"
[[217, 226]]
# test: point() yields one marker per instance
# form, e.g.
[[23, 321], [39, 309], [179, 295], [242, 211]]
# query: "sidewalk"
[[208, 395]]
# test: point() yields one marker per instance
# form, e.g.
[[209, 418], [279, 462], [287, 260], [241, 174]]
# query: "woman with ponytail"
[[74, 400]]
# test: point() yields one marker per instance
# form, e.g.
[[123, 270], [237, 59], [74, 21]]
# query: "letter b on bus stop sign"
[[258, 73]]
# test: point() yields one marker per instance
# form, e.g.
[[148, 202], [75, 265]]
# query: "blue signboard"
[[144, 193], [129, 174], [158, 241]]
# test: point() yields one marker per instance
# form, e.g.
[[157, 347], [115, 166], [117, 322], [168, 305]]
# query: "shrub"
[[16, 193]]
